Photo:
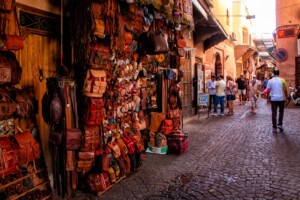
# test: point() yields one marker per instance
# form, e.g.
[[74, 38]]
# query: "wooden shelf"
[[30, 190], [121, 178], [20, 179]]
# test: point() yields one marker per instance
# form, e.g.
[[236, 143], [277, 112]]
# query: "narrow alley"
[[230, 157]]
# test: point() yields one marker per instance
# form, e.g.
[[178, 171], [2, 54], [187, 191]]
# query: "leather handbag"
[[24, 105], [122, 145], [6, 5], [7, 106], [177, 142], [138, 142], [98, 182], [156, 121], [8, 160], [167, 127], [55, 138], [10, 69], [94, 83], [11, 42], [129, 143], [26, 147], [94, 111], [55, 109], [73, 138], [85, 162], [90, 138], [155, 41]]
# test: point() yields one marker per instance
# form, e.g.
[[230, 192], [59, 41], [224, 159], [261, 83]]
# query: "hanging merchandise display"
[[23, 171], [128, 97]]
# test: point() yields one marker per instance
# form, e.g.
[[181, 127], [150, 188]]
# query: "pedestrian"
[[278, 95], [253, 93], [246, 98], [230, 94], [211, 86], [241, 88], [264, 83], [220, 95]]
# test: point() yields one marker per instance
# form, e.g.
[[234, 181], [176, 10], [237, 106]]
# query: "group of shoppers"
[[276, 90]]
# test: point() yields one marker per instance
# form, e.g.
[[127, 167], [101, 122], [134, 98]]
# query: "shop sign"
[[286, 33], [281, 55], [203, 100]]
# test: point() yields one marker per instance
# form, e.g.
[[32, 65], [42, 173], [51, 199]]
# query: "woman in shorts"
[[230, 94]]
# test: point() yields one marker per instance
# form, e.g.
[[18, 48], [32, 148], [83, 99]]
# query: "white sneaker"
[[221, 114], [280, 128], [213, 114]]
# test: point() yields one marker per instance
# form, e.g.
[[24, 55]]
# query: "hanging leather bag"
[[26, 147], [55, 109], [11, 42], [155, 42], [6, 5], [24, 105], [10, 70], [73, 138], [7, 106], [94, 111], [90, 138], [95, 83], [8, 160]]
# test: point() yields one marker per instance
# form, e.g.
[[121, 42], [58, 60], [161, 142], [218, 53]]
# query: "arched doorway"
[[218, 65]]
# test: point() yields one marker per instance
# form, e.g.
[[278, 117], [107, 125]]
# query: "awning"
[[207, 29], [243, 50]]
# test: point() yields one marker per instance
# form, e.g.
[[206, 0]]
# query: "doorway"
[[218, 65]]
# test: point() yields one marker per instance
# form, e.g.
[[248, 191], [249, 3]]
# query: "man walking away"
[[278, 92], [220, 96], [241, 88], [211, 86]]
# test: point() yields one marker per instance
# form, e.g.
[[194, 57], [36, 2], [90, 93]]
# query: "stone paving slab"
[[229, 157]]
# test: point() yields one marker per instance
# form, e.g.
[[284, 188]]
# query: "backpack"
[[94, 83], [94, 111]]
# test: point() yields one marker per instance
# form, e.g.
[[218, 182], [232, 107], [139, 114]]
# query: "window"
[[227, 18], [245, 36]]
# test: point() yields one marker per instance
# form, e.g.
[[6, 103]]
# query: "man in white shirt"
[[211, 86], [220, 96], [278, 92]]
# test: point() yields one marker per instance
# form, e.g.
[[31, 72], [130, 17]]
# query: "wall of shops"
[[287, 17]]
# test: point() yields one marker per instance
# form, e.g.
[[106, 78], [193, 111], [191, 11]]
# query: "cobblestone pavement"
[[229, 157]]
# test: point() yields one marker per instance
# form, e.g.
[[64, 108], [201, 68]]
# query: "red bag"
[[177, 143], [98, 182], [129, 143], [26, 147], [8, 160], [167, 127], [11, 42], [94, 111]]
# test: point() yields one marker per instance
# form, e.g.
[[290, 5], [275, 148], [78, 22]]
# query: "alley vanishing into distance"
[[229, 157]]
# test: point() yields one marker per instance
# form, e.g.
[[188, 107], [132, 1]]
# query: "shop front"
[[108, 85]]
